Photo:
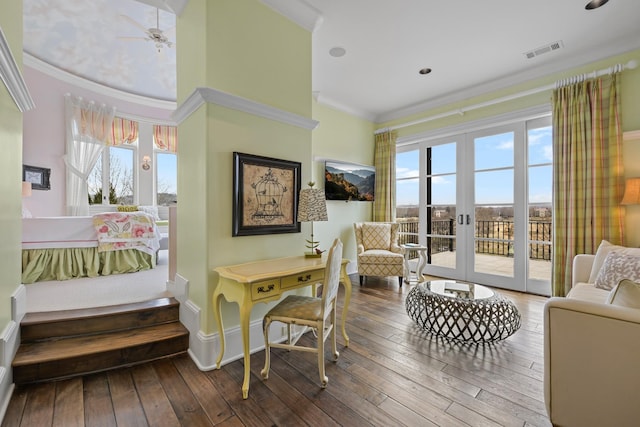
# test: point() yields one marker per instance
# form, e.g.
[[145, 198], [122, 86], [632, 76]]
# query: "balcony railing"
[[493, 237]]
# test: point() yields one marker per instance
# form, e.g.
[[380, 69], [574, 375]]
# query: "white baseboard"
[[8, 348], [6, 391], [19, 303]]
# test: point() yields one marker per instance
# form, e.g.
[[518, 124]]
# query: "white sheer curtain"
[[88, 127]]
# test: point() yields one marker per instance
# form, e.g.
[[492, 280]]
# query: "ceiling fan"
[[154, 35]]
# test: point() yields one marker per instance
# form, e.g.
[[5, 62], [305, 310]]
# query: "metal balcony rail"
[[493, 237]]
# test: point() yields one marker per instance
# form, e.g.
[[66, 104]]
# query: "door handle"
[[460, 219], [468, 219]]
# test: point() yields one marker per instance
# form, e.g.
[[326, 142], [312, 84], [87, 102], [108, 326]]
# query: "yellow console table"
[[265, 281]]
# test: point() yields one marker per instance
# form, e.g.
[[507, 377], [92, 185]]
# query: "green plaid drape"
[[384, 160], [587, 172]]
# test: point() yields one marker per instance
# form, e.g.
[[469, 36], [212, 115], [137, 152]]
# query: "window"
[[166, 178], [112, 179]]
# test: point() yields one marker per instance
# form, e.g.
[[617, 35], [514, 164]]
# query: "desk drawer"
[[303, 279], [268, 288]]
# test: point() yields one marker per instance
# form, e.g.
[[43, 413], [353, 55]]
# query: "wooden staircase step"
[[56, 324], [79, 355]]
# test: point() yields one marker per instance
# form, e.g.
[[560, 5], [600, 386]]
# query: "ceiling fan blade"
[[132, 38], [132, 22]]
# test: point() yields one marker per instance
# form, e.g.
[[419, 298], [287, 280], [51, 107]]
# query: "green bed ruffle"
[[62, 264]]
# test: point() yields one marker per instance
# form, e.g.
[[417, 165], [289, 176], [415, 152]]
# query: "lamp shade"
[[26, 189], [313, 205], [631, 192]]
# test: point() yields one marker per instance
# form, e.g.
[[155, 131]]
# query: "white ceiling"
[[472, 46]]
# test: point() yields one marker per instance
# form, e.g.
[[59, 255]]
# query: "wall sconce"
[[146, 163]]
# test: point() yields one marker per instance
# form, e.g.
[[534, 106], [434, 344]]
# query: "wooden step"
[[60, 345], [66, 323]]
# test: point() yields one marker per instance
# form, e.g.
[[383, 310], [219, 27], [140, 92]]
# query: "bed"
[[61, 248]]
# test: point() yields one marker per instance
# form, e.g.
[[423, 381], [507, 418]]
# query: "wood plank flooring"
[[391, 374]]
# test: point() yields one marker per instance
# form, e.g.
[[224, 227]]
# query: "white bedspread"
[[58, 232]]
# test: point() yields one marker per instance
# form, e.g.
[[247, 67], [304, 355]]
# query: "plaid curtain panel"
[[384, 160], [587, 172]]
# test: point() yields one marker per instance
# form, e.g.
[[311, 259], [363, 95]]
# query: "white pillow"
[[625, 294], [618, 266], [602, 252], [151, 210]]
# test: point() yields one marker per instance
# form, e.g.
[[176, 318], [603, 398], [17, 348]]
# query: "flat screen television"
[[349, 181]]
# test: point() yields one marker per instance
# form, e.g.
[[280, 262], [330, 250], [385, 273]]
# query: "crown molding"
[[48, 69], [12, 77], [202, 95], [299, 11], [504, 82]]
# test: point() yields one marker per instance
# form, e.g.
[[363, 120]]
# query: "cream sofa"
[[591, 355]]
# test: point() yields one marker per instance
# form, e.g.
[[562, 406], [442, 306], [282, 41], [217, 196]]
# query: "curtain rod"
[[460, 111]]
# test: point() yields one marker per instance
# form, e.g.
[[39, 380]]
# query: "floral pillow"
[[618, 266]]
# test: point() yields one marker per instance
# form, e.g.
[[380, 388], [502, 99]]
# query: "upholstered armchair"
[[378, 250]]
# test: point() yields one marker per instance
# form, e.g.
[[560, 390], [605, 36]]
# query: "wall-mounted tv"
[[349, 181]]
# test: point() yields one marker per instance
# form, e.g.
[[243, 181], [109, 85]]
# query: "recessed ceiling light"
[[337, 52], [425, 71], [594, 4]]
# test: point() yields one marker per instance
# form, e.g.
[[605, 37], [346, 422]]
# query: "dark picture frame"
[[37, 176], [265, 195]]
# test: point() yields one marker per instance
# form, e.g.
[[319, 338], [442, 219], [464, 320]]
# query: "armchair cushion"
[[625, 294], [376, 236], [618, 266], [601, 254], [378, 256]]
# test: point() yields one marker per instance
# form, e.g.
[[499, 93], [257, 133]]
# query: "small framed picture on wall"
[[38, 177]]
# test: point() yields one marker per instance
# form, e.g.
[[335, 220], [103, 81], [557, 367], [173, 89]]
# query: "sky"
[[492, 165]]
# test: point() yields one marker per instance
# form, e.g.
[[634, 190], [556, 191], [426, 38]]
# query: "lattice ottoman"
[[462, 312]]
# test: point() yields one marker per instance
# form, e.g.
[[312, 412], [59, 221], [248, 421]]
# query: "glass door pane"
[[539, 198], [441, 181], [494, 230]]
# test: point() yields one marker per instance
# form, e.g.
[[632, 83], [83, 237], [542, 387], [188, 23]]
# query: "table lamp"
[[312, 207], [631, 192]]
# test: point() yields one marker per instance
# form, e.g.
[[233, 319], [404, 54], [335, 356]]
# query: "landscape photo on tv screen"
[[349, 181]]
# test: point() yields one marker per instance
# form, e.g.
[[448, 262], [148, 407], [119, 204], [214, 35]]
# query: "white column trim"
[[203, 95], [12, 77]]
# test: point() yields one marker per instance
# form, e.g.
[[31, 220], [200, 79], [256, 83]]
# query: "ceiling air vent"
[[544, 49]]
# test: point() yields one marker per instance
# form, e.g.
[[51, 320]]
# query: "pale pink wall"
[[44, 134]]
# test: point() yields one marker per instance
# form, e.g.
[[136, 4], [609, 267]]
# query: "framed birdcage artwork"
[[265, 195]]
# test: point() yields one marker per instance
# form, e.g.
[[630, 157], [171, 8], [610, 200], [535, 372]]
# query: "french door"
[[484, 204]]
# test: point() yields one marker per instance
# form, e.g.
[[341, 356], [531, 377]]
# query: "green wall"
[[11, 166], [340, 136], [268, 62]]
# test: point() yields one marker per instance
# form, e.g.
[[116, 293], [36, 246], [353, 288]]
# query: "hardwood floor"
[[391, 374]]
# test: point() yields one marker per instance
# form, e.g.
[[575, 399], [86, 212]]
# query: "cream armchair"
[[591, 347], [378, 250]]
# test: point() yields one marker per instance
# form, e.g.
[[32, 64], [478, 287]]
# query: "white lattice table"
[[462, 311]]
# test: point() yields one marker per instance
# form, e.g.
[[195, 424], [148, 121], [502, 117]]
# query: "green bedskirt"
[[61, 264]]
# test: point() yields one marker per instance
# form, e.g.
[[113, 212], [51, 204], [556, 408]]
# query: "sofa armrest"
[[581, 268], [590, 363]]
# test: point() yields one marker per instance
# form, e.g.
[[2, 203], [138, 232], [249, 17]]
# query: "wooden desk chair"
[[314, 312]]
